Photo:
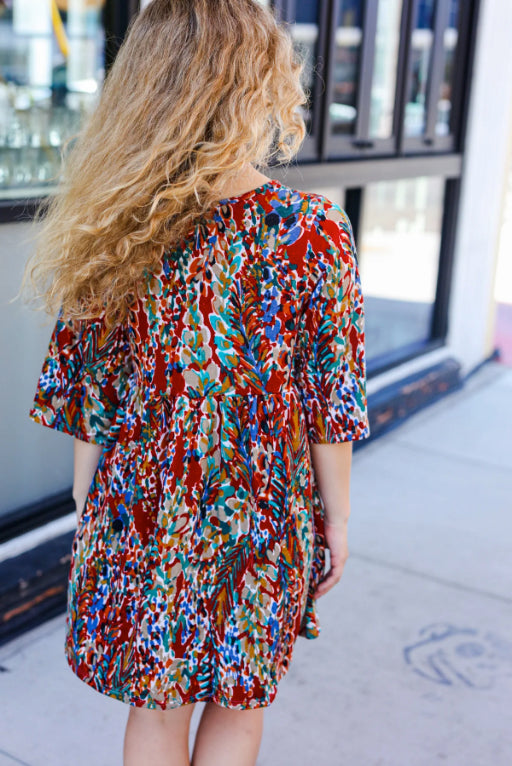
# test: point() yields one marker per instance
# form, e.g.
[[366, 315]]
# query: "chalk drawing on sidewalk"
[[449, 655]]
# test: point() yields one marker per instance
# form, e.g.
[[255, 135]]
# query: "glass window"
[[347, 61], [422, 42], [398, 252], [450, 39], [387, 41], [51, 71], [305, 35]]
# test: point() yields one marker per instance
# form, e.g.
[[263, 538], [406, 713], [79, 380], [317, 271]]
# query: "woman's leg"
[[157, 737], [228, 737]]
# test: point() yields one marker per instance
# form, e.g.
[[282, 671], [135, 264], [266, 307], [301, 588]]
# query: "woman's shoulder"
[[318, 223], [320, 211]]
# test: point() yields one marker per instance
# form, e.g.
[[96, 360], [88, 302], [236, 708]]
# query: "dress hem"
[[191, 699]]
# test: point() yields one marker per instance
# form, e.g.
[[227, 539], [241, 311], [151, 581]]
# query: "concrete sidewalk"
[[414, 663]]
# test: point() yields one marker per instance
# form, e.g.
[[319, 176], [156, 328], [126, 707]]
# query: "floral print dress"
[[201, 542]]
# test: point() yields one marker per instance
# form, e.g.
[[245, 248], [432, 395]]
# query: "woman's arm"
[[332, 464], [86, 457]]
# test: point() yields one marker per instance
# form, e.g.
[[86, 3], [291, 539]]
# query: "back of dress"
[[201, 542]]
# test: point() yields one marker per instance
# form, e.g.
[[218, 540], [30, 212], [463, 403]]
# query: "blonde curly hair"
[[198, 89]]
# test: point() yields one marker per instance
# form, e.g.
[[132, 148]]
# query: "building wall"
[[35, 462], [488, 139]]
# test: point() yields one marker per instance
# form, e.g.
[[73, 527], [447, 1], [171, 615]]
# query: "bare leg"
[[228, 737], [157, 737]]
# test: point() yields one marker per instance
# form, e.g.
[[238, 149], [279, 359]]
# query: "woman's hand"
[[336, 536], [332, 464]]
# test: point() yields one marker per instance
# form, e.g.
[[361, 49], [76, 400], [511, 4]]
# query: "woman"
[[208, 358]]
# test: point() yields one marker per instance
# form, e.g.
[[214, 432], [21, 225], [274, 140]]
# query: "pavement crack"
[[13, 758], [426, 576], [401, 441]]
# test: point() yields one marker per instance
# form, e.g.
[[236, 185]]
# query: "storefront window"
[[51, 73], [387, 41], [450, 39], [347, 61], [305, 36], [398, 252], [422, 43]]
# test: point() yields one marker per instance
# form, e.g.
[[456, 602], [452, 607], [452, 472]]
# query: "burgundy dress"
[[201, 542]]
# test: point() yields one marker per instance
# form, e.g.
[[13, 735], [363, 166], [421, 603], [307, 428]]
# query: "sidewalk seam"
[[402, 441], [426, 576]]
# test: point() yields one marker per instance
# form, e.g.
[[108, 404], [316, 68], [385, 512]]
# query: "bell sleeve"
[[331, 367], [83, 379]]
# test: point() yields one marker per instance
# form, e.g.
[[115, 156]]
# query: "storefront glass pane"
[[387, 41], [398, 251], [450, 39], [422, 42], [51, 72], [347, 61], [305, 35]]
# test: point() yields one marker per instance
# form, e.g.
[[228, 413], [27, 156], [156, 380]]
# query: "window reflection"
[[450, 39], [51, 70], [305, 36], [347, 60], [398, 253], [384, 70], [422, 41]]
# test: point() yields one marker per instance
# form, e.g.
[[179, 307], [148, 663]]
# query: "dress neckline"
[[250, 192]]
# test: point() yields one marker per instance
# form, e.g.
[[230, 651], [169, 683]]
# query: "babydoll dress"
[[197, 554]]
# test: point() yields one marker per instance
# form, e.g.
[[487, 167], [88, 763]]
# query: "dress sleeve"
[[83, 379], [330, 364]]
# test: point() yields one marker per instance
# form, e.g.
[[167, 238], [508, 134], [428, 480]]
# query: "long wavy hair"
[[198, 89]]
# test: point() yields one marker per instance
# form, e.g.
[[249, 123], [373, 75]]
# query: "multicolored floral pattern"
[[197, 554]]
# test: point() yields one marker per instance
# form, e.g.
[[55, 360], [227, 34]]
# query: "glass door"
[[363, 88], [435, 68], [399, 244]]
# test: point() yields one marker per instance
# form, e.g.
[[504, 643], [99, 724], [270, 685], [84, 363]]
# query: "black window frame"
[[322, 145], [354, 201], [358, 144], [429, 141], [286, 12]]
